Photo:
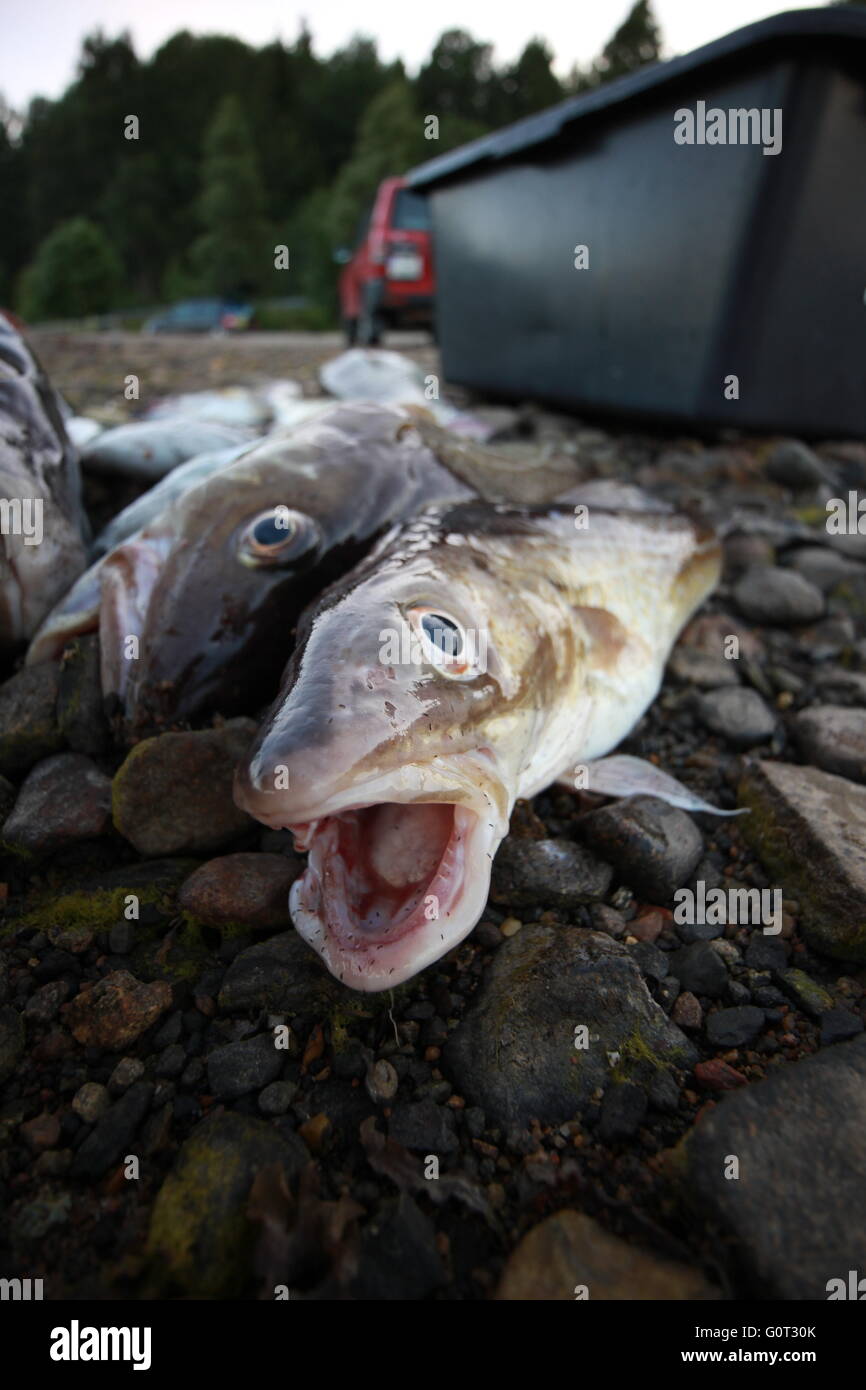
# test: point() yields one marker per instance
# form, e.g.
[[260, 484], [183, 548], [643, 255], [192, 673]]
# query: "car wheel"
[[350, 329]]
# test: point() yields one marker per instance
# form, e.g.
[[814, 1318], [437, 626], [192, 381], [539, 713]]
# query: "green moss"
[[811, 516], [80, 910], [638, 1059], [179, 954], [98, 905], [200, 1236], [119, 781], [182, 1210]]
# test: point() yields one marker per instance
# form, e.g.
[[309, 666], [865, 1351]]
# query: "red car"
[[387, 281]]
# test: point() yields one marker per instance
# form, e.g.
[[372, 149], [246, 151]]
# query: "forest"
[[150, 181]]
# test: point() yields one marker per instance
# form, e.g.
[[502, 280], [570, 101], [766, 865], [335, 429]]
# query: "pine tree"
[[235, 253], [636, 42]]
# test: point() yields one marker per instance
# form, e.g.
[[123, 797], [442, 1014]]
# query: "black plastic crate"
[[706, 261]]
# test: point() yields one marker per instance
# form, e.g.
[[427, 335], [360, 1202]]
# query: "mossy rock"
[[809, 830], [96, 904], [200, 1237], [518, 1053]]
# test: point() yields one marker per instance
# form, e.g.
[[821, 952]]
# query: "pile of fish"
[[438, 629]]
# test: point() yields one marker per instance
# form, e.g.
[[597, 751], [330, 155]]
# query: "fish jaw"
[[398, 870]]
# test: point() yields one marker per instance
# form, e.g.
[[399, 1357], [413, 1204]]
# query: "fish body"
[[151, 448], [481, 653], [42, 526]]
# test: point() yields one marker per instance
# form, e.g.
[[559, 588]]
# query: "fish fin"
[[623, 775]]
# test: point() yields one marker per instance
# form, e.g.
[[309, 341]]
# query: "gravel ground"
[[589, 1092]]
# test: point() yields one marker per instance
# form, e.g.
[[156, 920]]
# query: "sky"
[[41, 39]]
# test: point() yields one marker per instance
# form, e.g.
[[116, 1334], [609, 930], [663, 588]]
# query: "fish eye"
[[277, 536], [444, 643]]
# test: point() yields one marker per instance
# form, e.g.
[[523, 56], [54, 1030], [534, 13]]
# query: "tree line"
[[149, 181]]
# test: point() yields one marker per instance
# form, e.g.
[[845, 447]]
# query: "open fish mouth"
[[390, 887]]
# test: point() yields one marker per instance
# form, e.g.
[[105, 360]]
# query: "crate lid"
[[781, 31]]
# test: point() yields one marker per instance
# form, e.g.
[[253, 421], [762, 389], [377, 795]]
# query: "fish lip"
[[373, 961], [467, 783]]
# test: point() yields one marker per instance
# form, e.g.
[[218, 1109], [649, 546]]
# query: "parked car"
[[387, 281], [201, 316]]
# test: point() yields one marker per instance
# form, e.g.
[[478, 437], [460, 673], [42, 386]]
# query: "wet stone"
[[700, 970], [399, 1258], [282, 975], [63, 800], [116, 1010], [623, 1110], [766, 953], [735, 1027], [80, 711], [43, 1004], [113, 1134], [789, 1219], [570, 1250], [276, 1098], [128, 1069], [738, 715], [809, 829], [241, 1067], [794, 465], [515, 1053], [91, 1101], [173, 794], [838, 1025], [775, 596], [200, 1230], [424, 1126], [806, 993], [28, 718], [251, 889], [655, 847], [558, 873], [690, 666], [833, 738], [823, 567]]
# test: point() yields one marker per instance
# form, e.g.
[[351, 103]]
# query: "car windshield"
[[410, 212]]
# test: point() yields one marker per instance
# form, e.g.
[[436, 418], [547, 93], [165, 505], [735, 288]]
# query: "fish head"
[[465, 663], [211, 592], [389, 752]]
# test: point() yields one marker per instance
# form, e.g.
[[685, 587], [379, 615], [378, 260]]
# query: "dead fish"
[[481, 653], [206, 595], [151, 448], [42, 525], [232, 405], [168, 490], [388, 378]]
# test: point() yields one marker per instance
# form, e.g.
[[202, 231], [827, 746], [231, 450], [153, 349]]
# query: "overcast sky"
[[40, 39]]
